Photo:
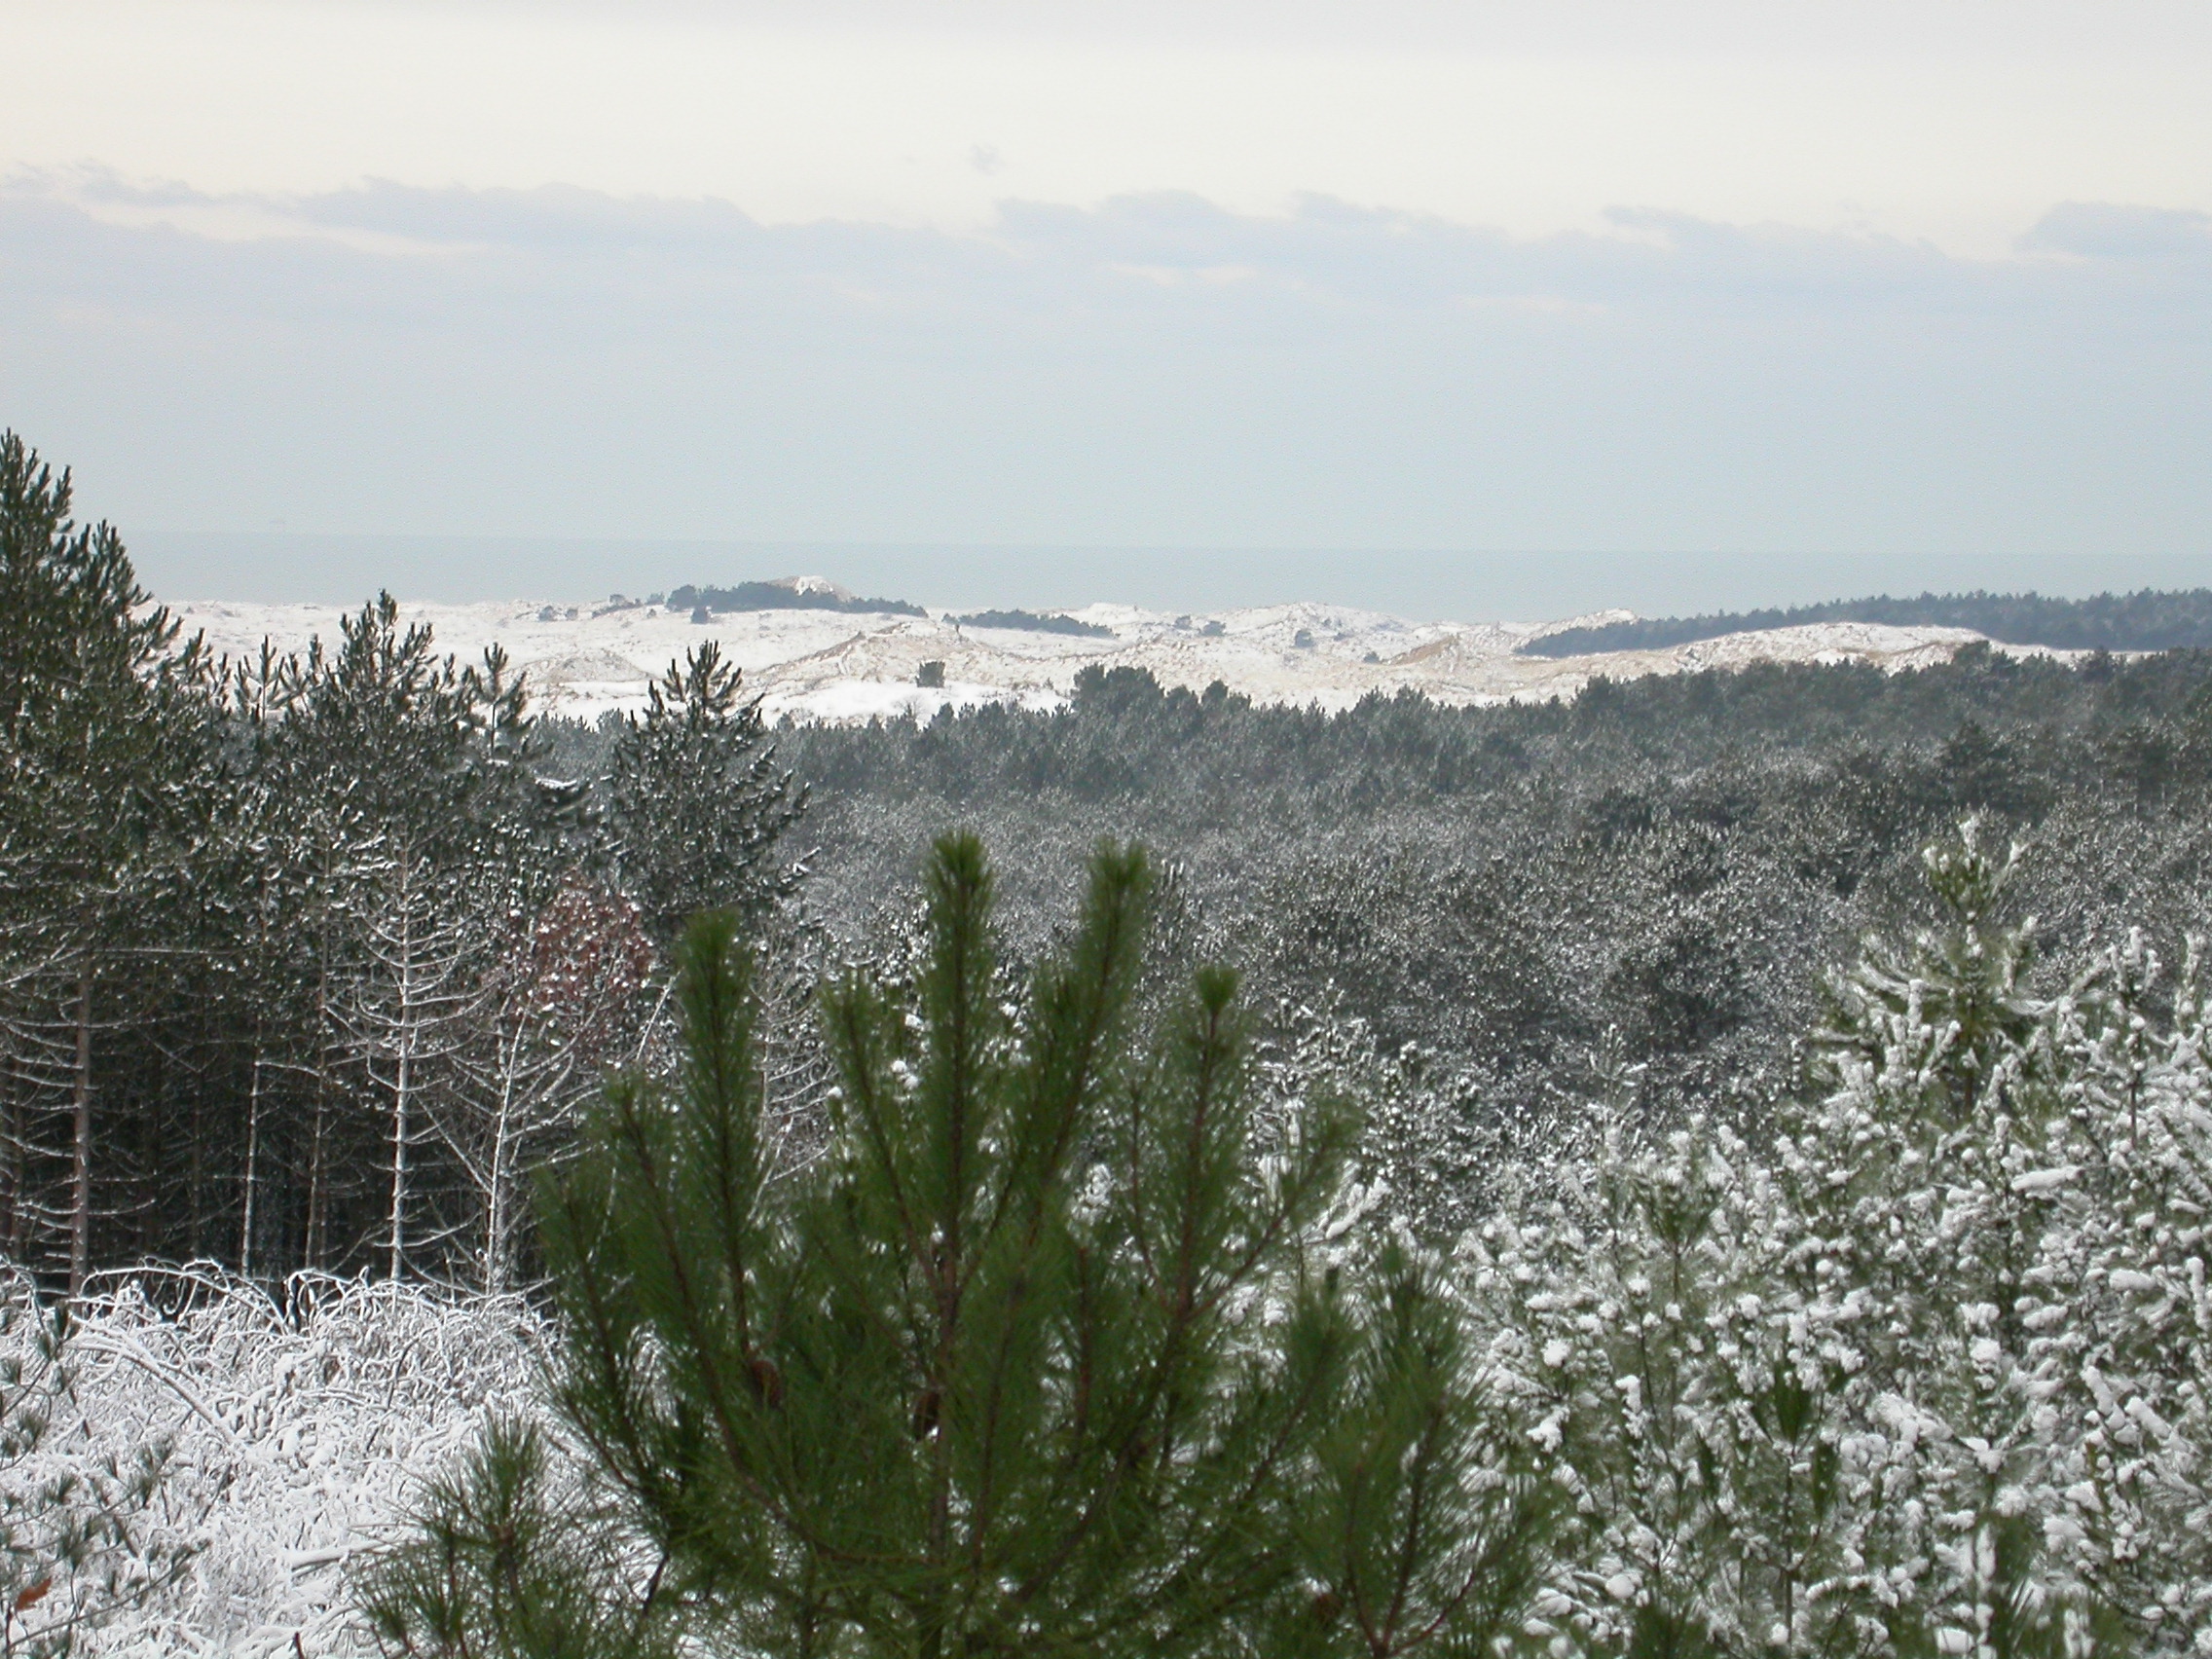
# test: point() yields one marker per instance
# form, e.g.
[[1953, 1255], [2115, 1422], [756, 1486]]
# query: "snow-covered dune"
[[837, 665]]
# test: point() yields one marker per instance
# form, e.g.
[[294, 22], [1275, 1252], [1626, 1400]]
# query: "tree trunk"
[[495, 1221], [252, 1160], [196, 1173], [80, 1184], [402, 1097], [400, 1130], [10, 1165], [311, 1249]]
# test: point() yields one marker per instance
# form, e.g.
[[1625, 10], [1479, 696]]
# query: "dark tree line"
[[781, 596], [2143, 621], [309, 960], [1035, 622]]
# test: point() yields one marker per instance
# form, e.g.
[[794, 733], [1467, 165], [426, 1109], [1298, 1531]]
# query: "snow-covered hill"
[[832, 665]]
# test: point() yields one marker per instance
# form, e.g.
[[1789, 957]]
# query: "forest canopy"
[[1036, 623], [300, 949], [785, 596]]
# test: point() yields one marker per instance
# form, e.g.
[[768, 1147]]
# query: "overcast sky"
[[1866, 281]]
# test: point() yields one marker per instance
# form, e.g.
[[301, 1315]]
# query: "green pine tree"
[[103, 725], [1047, 1351], [694, 801]]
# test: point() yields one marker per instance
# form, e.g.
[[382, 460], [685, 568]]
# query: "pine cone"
[[927, 1410], [767, 1381]]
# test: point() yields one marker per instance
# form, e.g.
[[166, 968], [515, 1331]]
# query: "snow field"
[[849, 668]]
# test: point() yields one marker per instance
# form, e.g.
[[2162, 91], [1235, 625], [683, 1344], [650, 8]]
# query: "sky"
[[1666, 303]]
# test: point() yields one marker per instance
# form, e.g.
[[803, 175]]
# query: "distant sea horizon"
[[282, 567]]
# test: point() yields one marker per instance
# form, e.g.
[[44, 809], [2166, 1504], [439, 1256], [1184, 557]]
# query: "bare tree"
[[560, 1006]]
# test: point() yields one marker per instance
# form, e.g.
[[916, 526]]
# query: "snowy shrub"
[[208, 1461], [1925, 1373], [2121, 1309], [83, 1541]]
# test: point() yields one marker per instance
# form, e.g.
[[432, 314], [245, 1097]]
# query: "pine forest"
[[1716, 1166]]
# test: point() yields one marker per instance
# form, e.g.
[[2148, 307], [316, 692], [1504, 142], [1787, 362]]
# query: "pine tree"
[[1806, 1395], [2118, 1309], [1685, 1398], [694, 801], [1047, 1351], [402, 796], [1922, 1184], [101, 723]]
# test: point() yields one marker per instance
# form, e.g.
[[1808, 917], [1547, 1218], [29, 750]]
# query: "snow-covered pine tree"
[[101, 722], [696, 803], [1807, 1398], [1921, 1184], [423, 843], [2119, 1310], [1044, 1353], [1683, 1400], [696, 812]]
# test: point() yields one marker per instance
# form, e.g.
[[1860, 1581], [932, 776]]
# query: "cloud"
[[555, 238], [1156, 369], [2104, 230]]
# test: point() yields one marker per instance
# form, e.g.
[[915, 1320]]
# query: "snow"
[[846, 667], [298, 1436]]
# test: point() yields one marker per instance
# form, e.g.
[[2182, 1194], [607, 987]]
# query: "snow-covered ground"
[[829, 665]]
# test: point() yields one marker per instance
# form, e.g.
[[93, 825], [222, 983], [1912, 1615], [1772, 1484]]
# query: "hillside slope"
[[842, 666]]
